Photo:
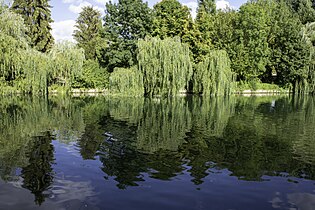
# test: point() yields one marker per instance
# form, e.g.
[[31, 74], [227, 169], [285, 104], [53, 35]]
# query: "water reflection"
[[250, 137], [37, 175]]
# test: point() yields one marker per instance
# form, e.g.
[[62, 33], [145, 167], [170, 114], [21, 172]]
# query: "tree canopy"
[[124, 23], [37, 18], [88, 32], [161, 50], [171, 19]]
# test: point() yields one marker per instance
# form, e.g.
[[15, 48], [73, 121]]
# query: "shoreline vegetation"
[[104, 92], [264, 47]]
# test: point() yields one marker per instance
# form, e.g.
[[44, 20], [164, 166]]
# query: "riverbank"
[[262, 92], [103, 92]]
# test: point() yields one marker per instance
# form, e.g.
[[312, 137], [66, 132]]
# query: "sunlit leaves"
[[165, 65], [213, 76]]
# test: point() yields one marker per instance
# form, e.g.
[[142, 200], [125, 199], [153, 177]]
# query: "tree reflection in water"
[[160, 138], [38, 175]]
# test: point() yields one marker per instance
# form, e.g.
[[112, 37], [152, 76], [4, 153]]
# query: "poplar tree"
[[37, 17], [204, 26], [88, 31]]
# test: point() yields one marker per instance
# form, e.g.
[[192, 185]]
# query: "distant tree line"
[[164, 50]]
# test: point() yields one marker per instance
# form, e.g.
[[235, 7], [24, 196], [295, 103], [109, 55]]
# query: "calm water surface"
[[189, 153]]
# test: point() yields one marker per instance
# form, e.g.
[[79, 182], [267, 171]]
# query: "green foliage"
[[12, 44], [125, 22], [66, 63], [216, 31], [251, 41], [308, 38], [254, 85], [206, 6], [26, 70], [88, 32], [93, 76], [222, 31], [126, 82], [266, 41], [165, 65], [204, 28], [37, 17], [213, 76], [171, 19], [36, 70], [288, 52], [304, 9]]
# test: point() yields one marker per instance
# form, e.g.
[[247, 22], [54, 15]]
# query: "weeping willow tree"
[[12, 44], [213, 76], [23, 69], [126, 81], [66, 63], [165, 65], [35, 75]]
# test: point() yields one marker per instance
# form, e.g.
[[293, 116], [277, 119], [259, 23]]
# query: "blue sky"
[[65, 12]]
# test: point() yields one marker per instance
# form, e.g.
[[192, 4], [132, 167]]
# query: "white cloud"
[[222, 4], [193, 5], [102, 2], [71, 1], [63, 30], [78, 8]]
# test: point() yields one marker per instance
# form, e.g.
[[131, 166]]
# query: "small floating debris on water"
[[109, 134], [110, 139]]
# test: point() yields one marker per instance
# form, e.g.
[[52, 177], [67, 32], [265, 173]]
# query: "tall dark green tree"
[[125, 22], [88, 32], [204, 27], [251, 41], [37, 17], [223, 34], [289, 54]]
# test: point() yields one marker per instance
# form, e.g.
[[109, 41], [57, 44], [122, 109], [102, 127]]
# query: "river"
[[232, 153]]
